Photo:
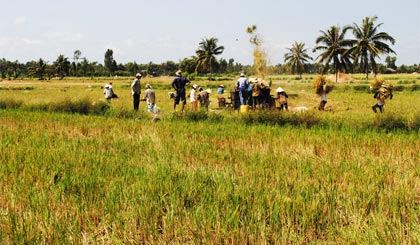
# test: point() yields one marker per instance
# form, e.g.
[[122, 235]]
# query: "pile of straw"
[[321, 85]]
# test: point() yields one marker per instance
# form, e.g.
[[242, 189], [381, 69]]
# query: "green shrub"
[[192, 76]]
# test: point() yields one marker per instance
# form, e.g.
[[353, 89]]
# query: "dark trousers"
[[283, 107], [381, 108], [321, 106], [136, 101]]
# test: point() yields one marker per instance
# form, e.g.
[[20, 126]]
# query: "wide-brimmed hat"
[[242, 74], [208, 91], [279, 90], [138, 75], [178, 73], [221, 85], [148, 86], [195, 86]]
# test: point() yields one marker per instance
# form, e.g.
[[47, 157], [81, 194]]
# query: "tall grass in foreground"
[[86, 179]]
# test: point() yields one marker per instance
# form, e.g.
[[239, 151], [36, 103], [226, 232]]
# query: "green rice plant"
[[414, 122], [99, 108], [399, 88], [17, 88], [390, 122], [406, 81], [10, 104], [340, 176], [415, 87], [77, 178], [362, 88], [307, 119]]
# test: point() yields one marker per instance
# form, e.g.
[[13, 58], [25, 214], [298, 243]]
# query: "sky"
[[171, 30]]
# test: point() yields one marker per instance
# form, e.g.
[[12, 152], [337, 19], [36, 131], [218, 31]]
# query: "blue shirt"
[[179, 83]]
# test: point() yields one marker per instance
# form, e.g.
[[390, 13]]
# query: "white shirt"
[[108, 91], [192, 95]]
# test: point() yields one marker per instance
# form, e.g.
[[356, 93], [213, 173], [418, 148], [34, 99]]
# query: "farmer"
[[204, 98], [242, 85], [108, 92], [220, 89], [323, 95], [135, 91], [193, 97], [256, 94], [381, 95], [179, 85], [221, 99], [150, 97], [282, 99]]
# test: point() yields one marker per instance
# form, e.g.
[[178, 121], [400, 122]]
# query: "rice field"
[[340, 176]]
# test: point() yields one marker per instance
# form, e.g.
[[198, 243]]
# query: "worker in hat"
[[220, 98], [256, 94], [150, 97], [179, 85], [193, 97], [242, 85], [108, 91], [204, 98], [136, 91], [282, 99]]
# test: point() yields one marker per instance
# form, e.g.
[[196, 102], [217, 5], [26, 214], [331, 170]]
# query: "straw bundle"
[[321, 85], [381, 85], [376, 84]]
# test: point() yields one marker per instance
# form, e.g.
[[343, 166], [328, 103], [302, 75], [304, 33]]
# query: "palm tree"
[[206, 54], [369, 44], [62, 65], [297, 57], [334, 47], [38, 69]]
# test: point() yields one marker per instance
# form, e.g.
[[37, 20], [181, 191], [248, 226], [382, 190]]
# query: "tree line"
[[354, 55]]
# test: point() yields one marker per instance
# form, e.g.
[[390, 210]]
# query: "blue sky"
[[162, 30]]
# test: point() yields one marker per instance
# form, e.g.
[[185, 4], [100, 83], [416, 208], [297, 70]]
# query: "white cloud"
[[64, 36], [31, 41], [20, 20]]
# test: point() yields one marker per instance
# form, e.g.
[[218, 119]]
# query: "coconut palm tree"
[[206, 54], [62, 66], [369, 44], [334, 47], [297, 57], [38, 69]]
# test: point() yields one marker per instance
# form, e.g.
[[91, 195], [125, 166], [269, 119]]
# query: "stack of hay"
[[321, 85], [382, 87]]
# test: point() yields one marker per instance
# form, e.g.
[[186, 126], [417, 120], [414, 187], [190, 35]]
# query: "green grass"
[[343, 176]]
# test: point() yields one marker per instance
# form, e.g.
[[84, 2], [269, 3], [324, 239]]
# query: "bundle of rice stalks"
[[381, 85], [376, 84], [321, 85]]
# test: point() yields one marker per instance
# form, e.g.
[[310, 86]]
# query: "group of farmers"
[[254, 93]]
